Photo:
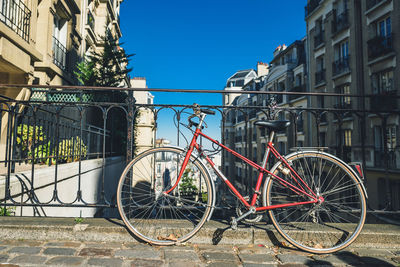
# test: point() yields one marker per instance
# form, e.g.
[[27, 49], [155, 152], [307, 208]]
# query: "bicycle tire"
[[321, 227], [153, 216]]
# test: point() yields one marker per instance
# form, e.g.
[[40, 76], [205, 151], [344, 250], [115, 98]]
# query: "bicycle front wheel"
[[158, 218], [323, 227]]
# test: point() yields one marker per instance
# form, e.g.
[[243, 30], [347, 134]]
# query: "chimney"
[[262, 69]]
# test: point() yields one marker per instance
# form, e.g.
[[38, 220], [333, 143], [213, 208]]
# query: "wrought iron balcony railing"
[[341, 65], [311, 6], [44, 132], [340, 22], [384, 101], [90, 20], [319, 39], [299, 88], [379, 46], [17, 16], [59, 54], [320, 76], [372, 3]]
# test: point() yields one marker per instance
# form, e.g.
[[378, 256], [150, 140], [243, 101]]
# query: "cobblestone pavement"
[[45, 253]]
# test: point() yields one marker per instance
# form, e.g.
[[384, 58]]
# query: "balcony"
[[372, 3], [311, 6], [340, 22], [319, 39], [382, 160], [379, 46], [298, 88], [59, 54], [320, 77], [16, 16], [341, 65], [384, 101], [90, 20]]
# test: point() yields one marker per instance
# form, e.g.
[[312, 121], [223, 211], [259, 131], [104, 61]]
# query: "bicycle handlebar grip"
[[207, 111]]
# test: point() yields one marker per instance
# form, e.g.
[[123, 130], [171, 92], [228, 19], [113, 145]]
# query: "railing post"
[[130, 124]]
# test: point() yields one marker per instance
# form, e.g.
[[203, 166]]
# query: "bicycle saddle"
[[273, 125]]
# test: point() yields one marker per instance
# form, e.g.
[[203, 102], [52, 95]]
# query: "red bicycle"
[[316, 201]]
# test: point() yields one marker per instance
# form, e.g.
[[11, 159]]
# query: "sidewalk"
[[212, 233], [60, 241]]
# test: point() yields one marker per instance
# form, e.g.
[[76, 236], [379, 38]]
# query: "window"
[[384, 28], [347, 138], [391, 137], [382, 82], [343, 101]]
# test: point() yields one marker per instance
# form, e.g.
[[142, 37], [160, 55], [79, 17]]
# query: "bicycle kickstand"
[[234, 221]]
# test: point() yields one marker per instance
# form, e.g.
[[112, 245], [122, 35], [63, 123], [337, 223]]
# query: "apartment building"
[[353, 49], [42, 41], [285, 73], [145, 131]]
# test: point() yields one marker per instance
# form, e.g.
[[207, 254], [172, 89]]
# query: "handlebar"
[[197, 111]]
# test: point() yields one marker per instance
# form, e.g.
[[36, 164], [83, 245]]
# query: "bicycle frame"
[[301, 188]]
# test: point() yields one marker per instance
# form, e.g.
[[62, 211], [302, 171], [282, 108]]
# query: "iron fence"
[[44, 132]]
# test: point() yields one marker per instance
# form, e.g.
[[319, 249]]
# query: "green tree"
[[105, 67]]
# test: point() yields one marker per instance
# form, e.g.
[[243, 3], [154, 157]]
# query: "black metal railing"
[[52, 137], [59, 54], [319, 38], [90, 20], [17, 16], [311, 6], [320, 76], [372, 3], [341, 65], [340, 22], [379, 46], [298, 88], [385, 100]]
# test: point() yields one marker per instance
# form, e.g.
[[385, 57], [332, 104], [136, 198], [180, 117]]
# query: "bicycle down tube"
[[262, 171]]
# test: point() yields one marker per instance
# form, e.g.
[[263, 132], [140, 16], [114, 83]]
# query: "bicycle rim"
[[321, 227], [151, 215]]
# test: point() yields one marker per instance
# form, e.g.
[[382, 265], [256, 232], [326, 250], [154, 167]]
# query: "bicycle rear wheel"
[[153, 216], [321, 227]]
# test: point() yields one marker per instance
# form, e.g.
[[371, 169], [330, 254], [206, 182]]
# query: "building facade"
[[285, 73], [353, 49]]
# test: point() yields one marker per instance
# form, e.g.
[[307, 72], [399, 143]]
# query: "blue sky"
[[188, 44]]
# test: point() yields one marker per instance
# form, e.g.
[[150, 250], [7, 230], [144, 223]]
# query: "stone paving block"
[[222, 264], [177, 248], [103, 244], [22, 243], [294, 259], [92, 252], [371, 252], [255, 249], [59, 251], [2, 248], [224, 248], [396, 259], [147, 263], [105, 262], [257, 258], [259, 265], [340, 259], [181, 255], [69, 261], [378, 261], [219, 256], [28, 259], [136, 245], [63, 244], [138, 254], [25, 250], [183, 264], [3, 257]]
